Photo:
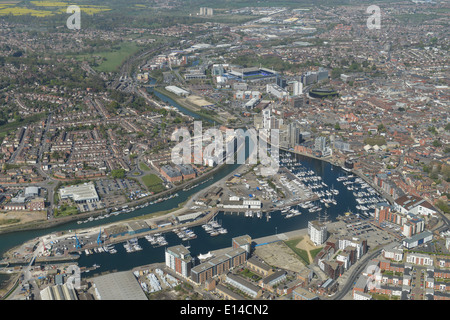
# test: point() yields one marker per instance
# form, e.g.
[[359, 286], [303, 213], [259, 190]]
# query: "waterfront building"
[[177, 91], [219, 265], [415, 205], [410, 224], [171, 174], [317, 232], [58, 292], [243, 242], [178, 258], [118, 286]]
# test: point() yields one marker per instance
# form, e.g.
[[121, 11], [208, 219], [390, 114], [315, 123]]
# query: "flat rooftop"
[[119, 286], [80, 192]]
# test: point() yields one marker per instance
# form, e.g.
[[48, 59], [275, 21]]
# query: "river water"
[[236, 225]]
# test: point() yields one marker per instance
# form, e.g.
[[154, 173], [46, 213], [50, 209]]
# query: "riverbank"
[[45, 224], [182, 208], [188, 106]]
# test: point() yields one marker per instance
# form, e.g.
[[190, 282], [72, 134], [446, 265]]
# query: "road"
[[355, 274]]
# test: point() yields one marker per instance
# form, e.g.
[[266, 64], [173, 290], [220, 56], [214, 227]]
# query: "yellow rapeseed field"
[[7, 9]]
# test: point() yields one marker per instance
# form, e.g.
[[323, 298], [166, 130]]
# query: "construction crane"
[[99, 238], [78, 244]]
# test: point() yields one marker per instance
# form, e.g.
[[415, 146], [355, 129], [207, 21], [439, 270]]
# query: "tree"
[[437, 143], [118, 173]]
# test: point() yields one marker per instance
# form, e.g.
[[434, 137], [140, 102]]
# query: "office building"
[[277, 91], [298, 88], [81, 193]]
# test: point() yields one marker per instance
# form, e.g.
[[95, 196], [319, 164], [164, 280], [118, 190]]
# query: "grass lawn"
[[143, 166], [153, 183], [65, 210], [315, 252], [302, 254], [247, 273], [8, 221], [112, 59]]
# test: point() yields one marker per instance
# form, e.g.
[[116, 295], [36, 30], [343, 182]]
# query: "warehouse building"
[[177, 91], [118, 286], [81, 193], [58, 292]]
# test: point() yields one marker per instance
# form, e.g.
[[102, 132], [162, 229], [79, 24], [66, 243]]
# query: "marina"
[[209, 236]]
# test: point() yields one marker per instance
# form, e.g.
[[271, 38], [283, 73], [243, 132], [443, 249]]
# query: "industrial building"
[[118, 286], [58, 292], [81, 193], [177, 91]]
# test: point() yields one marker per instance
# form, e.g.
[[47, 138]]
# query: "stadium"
[[251, 74]]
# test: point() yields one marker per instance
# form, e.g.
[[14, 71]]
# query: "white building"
[[417, 239], [358, 295], [177, 91], [236, 203], [277, 91], [357, 243], [420, 259], [415, 205], [394, 253], [81, 193], [298, 88], [317, 232]]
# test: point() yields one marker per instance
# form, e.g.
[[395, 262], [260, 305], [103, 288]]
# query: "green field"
[[153, 183], [8, 221], [302, 254], [110, 61], [143, 167], [65, 210]]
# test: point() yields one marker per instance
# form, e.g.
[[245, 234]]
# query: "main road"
[[355, 274]]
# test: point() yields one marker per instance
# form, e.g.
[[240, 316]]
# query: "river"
[[236, 225]]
